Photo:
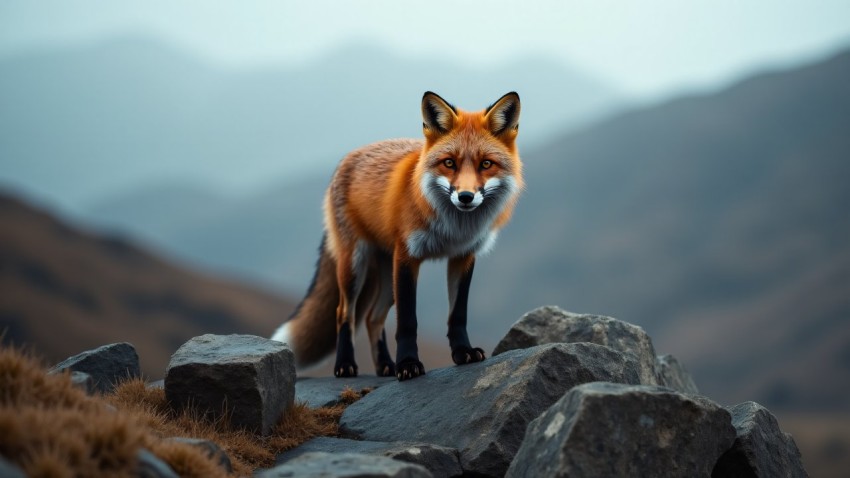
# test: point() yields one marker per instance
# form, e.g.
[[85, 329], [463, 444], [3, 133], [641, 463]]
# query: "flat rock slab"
[[606, 429], [550, 324], [760, 448], [108, 365], [672, 374], [250, 379], [325, 391], [441, 461], [345, 465], [482, 409]]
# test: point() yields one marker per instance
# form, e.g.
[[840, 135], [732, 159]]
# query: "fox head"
[[470, 160]]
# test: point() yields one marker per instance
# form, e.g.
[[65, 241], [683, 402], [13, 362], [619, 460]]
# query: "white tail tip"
[[282, 334]]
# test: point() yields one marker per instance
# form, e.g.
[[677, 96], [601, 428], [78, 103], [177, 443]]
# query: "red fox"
[[393, 204]]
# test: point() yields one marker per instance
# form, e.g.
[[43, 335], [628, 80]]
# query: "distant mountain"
[[718, 222], [91, 121], [65, 290]]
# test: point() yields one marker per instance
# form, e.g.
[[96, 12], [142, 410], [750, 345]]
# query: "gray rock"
[[250, 378], [605, 429], [442, 462], [550, 324], [324, 391], [211, 449], [83, 381], [672, 374], [107, 365], [150, 466], [345, 465], [761, 448], [10, 470], [482, 409]]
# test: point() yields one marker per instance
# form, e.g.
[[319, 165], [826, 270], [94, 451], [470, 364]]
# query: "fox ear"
[[503, 115], [438, 116]]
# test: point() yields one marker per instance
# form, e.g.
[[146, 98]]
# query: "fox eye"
[[449, 163], [486, 164]]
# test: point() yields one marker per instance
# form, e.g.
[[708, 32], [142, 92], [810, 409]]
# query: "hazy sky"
[[646, 47]]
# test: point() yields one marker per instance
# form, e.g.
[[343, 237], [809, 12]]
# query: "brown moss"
[[50, 428]]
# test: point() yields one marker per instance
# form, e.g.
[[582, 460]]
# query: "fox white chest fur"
[[453, 232]]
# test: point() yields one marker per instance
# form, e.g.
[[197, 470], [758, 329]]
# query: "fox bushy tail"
[[311, 329]]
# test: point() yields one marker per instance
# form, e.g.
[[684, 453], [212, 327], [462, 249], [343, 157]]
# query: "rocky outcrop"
[[482, 409], [563, 395], [250, 379], [345, 465], [107, 365], [606, 429], [441, 461], [550, 324], [760, 448]]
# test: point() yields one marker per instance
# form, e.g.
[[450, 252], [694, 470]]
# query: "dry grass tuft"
[[48, 427]]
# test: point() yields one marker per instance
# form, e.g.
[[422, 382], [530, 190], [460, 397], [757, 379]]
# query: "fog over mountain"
[[82, 124]]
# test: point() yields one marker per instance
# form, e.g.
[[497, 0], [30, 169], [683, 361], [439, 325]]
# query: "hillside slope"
[[65, 291], [719, 222]]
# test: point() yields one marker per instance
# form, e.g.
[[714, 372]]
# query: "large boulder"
[[345, 465], [325, 391], [550, 324], [441, 461], [107, 365], [605, 429], [672, 374], [483, 409], [250, 379], [760, 448]]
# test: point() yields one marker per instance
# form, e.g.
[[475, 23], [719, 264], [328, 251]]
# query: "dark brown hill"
[[65, 291]]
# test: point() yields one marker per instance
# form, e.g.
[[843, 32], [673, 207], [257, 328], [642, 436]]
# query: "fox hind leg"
[[352, 268], [459, 278], [381, 277]]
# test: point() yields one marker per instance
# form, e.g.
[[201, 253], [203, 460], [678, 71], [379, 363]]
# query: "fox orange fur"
[[392, 205]]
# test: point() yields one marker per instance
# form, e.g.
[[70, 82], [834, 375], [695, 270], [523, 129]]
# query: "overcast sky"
[[646, 48]]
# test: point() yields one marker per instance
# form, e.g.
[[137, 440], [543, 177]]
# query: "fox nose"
[[465, 197]]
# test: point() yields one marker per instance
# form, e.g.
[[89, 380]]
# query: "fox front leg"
[[405, 274], [459, 278]]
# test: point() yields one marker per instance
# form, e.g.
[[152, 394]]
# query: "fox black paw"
[[385, 369], [409, 368], [463, 355], [345, 369]]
